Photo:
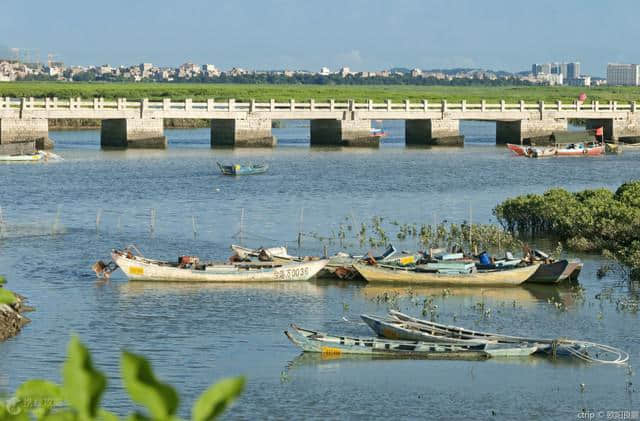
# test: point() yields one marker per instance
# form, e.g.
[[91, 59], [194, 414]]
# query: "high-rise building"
[[623, 74], [573, 70]]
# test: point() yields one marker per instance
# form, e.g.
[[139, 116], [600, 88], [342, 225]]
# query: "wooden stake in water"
[[470, 225], [98, 218], [193, 225], [241, 226], [56, 221], [300, 230], [152, 221]]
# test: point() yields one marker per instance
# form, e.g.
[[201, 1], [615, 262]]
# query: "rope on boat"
[[621, 359]]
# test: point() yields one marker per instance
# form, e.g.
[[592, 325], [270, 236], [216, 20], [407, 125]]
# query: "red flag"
[[600, 131]]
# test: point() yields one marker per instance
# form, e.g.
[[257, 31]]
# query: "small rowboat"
[[312, 341], [238, 169], [584, 350], [189, 269], [378, 133], [499, 277]]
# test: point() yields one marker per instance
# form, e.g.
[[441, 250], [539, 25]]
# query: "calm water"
[[195, 334]]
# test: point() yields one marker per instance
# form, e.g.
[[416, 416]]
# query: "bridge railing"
[[252, 106]]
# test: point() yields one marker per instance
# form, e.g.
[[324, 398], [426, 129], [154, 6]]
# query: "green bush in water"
[[78, 397], [590, 220]]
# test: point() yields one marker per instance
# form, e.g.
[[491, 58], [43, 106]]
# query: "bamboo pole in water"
[[193, 225]]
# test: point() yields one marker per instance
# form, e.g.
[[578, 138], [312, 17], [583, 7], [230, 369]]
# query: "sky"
[[309, 34]]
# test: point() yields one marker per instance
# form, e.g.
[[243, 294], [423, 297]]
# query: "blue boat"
[[238, 169]]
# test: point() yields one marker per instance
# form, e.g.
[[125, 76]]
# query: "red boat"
[[577, 149], [517, 149]]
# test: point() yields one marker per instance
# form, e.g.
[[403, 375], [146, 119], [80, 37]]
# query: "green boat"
[[238, 169]]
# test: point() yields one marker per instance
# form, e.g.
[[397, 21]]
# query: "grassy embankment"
[[244, 92]]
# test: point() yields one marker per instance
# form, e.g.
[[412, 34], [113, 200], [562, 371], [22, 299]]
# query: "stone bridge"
[[139, 123]]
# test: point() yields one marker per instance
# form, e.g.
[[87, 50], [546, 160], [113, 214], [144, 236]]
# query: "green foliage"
[[590, 220], [216, 399], [3, 280], [79, 396], [319, 92], [82, 384], [7, 297], [159, 398]]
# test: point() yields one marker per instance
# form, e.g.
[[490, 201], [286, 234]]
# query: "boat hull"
[[556, 272], [509, 277], [516, 149], [142, 269]]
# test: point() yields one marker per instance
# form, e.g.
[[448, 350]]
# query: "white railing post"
[[370, 104], [463, 105], [522, 106], [71, 103], [559, 104], [210, 104], [96, 104], [252, 105], [596, 106], [578, 105], [502, 105], [144, 106], [388, 105], [615, 105], [292, 104], [483, 105], [312, 104], [407, 105], [425, 105], [541, 108], [187, 104], [232, 104], [610, 105], [47, 103], [444, 105], [332, 104], [272, 104], [633, 106], [166, 104]]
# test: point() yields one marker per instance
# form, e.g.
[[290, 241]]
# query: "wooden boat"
[[556, 272], [190, 269], [312, 341], [30, 157], [402, 330], [584, 350], [238, 169], [384, 273]]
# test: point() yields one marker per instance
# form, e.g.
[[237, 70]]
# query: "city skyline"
[[359, 35]]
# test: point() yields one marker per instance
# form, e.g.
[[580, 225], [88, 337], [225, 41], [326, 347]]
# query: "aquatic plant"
[[78, 397]]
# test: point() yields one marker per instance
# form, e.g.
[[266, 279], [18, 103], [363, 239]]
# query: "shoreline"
[[11, 318]]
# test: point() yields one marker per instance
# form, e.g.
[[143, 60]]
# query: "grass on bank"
[[379, 93]]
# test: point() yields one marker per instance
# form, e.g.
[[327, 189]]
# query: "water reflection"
[[140, 288]]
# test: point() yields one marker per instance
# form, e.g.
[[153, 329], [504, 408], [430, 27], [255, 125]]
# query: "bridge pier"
[[353, 132], [517, 130], [27, 131], [250, 132], [433, 132], [616, 129], [133, 133]]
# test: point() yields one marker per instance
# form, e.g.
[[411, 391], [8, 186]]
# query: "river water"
[[61, 217]]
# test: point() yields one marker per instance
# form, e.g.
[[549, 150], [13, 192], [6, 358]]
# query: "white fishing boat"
[[189, 269], [30, 157]]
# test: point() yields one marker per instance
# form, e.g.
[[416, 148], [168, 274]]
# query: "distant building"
[[345, 71], [580, 81], [541, 68], [416, 73], [325, 71], [623, 74], [572, 71], [567, 70]]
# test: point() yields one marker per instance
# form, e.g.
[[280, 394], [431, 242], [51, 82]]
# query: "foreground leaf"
[[82, 383], [159, 398], [7, 297], [217, 398]]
